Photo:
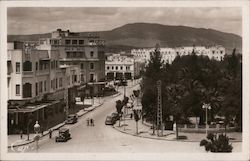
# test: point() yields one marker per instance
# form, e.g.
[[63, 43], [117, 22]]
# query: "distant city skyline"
[[37, 20]]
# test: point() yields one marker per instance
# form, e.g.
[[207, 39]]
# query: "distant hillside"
[[147, 35]]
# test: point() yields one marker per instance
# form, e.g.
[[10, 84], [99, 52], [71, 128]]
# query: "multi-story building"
[[83, 49], [36, 83], [169, 54], [119, 67]]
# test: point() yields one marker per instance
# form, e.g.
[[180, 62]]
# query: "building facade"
[[36, 84], [169, 54], [120, 67], [85, 50]]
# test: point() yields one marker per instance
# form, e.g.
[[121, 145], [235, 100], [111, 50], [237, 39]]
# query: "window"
[[17, 89], [74, 42], [67, 42], [116, 68], [56, 83], [112, 67], [45, 86], [107, 67], [36, 65], [82, 77], [27, 90], [17, 67], [40, 66], [81, 42], [27, 66], [213, 51], [221, 52], [40, 87], [91, 77], [56, 42], [121, 67], [81, 65], [91, 54], [51, 86], [60, 82], [91, 65], [75, 78], [68, 54], [36, 89]]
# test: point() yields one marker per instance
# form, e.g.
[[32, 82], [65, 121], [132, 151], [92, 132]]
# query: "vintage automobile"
[[115, 116], [64, 135], [71, 119], [109, 120]]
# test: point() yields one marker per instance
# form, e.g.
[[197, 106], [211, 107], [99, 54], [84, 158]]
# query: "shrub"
[[214, 144], [203, 142]]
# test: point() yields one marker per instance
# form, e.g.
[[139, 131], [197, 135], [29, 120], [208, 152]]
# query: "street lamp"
[[93, 81], [37, 137], [206, 106]]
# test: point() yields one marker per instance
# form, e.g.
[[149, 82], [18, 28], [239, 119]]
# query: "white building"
[[169, 54], [119, 67]]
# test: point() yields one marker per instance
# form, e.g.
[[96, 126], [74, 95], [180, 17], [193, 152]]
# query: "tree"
[[175, 93], [217, 144], [150, 76]]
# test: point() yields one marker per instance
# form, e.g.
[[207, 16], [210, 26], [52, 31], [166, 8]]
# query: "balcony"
[[28, 73]]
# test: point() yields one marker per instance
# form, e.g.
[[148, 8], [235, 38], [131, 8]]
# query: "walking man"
[[50, 133], [21, 134]]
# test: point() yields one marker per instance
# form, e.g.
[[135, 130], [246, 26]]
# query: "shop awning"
[[31, 108]]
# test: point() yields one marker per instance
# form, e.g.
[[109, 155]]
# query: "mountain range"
[[145, 35]]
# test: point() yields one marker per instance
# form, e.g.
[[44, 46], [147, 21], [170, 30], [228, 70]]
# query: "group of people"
[[90, 122]]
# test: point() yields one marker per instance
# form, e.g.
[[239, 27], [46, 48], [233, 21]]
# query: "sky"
[[30, 20]]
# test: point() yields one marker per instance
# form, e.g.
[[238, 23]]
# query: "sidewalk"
[[15, 140], [144, 131]]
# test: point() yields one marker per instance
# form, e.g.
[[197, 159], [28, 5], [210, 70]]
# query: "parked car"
[[109, 120], [115, 116], [71, 119], [64, 135]]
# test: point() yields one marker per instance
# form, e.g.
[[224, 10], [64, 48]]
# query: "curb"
[[161, 138], [31, 141]]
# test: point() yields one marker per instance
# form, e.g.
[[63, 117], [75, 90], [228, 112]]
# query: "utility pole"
[[93, 92], [159, 109]]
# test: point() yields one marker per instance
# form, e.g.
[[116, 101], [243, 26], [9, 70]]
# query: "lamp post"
[[37, 137], [93, 92], [206, 106]]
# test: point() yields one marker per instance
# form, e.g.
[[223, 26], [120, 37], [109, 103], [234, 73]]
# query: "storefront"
[[23, 118]]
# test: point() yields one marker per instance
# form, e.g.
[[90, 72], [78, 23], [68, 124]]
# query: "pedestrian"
[[88, 122], [21, 134], [91, 122], [131, 115], [50, 133]]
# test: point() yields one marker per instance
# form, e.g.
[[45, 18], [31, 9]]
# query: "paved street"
[[103, 138]]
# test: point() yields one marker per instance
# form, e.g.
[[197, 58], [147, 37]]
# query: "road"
[[105, 139]]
